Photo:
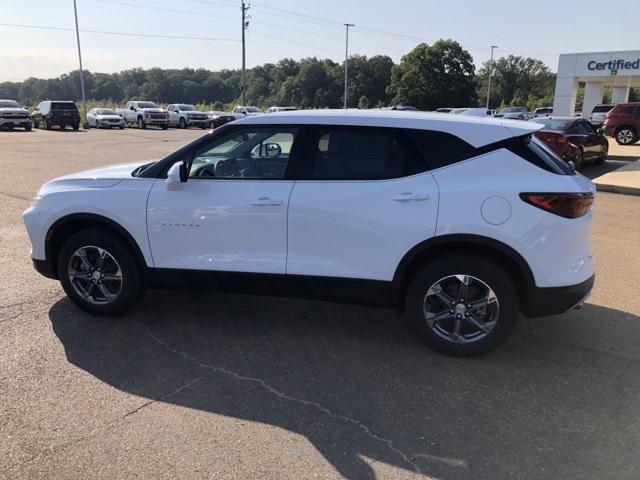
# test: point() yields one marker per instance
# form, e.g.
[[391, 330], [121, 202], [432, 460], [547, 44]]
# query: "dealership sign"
[[614, 65]]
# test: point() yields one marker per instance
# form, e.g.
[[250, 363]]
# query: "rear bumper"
[[542, 302]]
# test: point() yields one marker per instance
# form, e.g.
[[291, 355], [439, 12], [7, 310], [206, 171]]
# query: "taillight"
[[568, 205], [552, 137]]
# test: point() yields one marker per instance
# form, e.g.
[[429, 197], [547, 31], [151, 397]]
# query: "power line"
[[126, 34], [297, 43], [162, 9]]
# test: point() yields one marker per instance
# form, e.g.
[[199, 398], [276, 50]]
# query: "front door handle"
[[265, 201], [409, 196]]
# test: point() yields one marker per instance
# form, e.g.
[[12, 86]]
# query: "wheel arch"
[[69, 224], [515, 265]]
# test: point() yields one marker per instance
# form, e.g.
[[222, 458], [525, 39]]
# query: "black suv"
[[52, 112]]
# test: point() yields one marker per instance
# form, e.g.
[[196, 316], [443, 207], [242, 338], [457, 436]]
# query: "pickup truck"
[[13, 115], [143, 114], [185, 115]]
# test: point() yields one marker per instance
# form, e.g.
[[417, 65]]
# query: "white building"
[[620, 70]]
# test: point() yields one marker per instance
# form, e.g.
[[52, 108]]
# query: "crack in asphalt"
[[274, 391], [17, 197]]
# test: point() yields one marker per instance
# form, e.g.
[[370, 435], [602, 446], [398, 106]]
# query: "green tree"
[[433, 76], [517, 81]]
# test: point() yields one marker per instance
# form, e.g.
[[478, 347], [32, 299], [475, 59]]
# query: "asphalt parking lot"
[[204, 385]]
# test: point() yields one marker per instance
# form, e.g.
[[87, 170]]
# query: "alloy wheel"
[[461, 308], [625, 136], [95, 275]]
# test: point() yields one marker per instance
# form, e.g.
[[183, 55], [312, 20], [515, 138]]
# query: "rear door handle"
[[265, 201], [409, 196]]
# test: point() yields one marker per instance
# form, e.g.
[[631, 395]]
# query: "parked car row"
[[63, 113]]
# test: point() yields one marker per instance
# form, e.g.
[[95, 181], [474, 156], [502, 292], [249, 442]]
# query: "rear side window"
[[360, 153], [439, 149], [630, 109]]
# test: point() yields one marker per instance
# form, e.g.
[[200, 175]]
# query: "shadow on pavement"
[[560, 399]]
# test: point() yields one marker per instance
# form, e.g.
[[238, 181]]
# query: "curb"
[[603, 187]]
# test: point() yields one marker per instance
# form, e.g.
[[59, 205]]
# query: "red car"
[[623, 123], [573, 139]]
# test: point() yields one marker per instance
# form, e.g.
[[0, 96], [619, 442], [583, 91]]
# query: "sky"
[[296, 29]]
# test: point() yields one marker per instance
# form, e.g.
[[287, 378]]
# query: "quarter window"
[[245, 154], [352, 153], [440, 149]]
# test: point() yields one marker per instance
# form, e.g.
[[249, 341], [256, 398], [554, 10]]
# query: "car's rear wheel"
[[462, 304], [579, 160], [602, 158], [99, 273], [626, 135]]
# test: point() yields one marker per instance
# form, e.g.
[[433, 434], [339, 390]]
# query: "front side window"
[[363, 154], [257, 154]]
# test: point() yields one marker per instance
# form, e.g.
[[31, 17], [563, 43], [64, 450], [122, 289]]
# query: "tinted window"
[[63, 106], [439, 149], [630, 109], [147, 105], [250, 153], [588, 127], [363, 154]]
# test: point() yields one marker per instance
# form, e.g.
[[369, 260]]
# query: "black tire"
[[483, 269], [27, 127], [164, 127], [132, 287], [141, 123], [626, 135], [579, 160], [121, 127], [182, 123], [212, 125], [602, 157], [76, 126]]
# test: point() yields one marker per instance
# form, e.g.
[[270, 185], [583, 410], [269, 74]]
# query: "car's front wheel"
[[462, 304], [99, 273]]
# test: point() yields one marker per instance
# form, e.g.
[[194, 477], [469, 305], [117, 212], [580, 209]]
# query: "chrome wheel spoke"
[[87, 293], [438, 317], [112, 276], [445, 298], [463, 291], [108, 296], [483, 327]]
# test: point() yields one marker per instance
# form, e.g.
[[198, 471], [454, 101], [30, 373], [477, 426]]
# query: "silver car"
[[104, 118], [599, 113]]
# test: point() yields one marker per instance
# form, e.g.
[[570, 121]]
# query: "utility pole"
[[346, 64], [245, 24], [490, 74], [84, 98]]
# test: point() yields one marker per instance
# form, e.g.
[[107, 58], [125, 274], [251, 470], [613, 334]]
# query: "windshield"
[[147, 105], [552, 123], [9, 104], [105, 111], [187, 108], [254, 110]]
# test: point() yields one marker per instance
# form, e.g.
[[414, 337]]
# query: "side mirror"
[[572, 165], [272, 150], [176, 176]]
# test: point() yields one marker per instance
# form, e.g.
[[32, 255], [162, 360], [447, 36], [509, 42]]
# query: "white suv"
[[457, 222]]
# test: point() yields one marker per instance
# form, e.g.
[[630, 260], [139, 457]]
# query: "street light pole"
[[245, 24], [490, 74], [84, 98], [346, 64]]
